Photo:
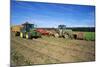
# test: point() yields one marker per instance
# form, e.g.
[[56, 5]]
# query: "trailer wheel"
[[21, 34]]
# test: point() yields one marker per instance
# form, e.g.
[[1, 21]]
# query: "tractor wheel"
[[17, 33], [66, 36], [56, 35], [28, 36], [21, 34]]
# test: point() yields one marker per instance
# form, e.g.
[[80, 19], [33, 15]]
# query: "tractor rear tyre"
[[28, 36]]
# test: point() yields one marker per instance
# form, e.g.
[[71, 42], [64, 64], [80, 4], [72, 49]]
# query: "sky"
[[52, 14]]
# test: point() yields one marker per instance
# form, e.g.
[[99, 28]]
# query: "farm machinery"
[[63, 32], [28, 31], [43, 31]]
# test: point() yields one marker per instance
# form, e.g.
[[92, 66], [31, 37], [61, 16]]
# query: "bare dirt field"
[[47, 50]]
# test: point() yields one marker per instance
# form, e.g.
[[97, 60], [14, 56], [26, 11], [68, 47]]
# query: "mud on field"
[[47, 50]]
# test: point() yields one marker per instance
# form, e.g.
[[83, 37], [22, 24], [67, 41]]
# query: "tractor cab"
[[61, 29], [27, 27]]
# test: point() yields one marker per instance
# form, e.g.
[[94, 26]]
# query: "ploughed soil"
[[50, 50]]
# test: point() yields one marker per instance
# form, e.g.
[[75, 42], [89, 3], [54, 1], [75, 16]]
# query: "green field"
[[89, 36]]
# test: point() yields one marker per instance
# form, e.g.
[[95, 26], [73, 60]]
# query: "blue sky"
[[52, 15]]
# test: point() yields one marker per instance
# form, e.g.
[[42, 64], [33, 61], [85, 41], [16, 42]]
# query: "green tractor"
[[28, 31], [62, 31]]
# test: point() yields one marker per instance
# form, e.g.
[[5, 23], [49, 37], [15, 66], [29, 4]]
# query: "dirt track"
[[52, 50]]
